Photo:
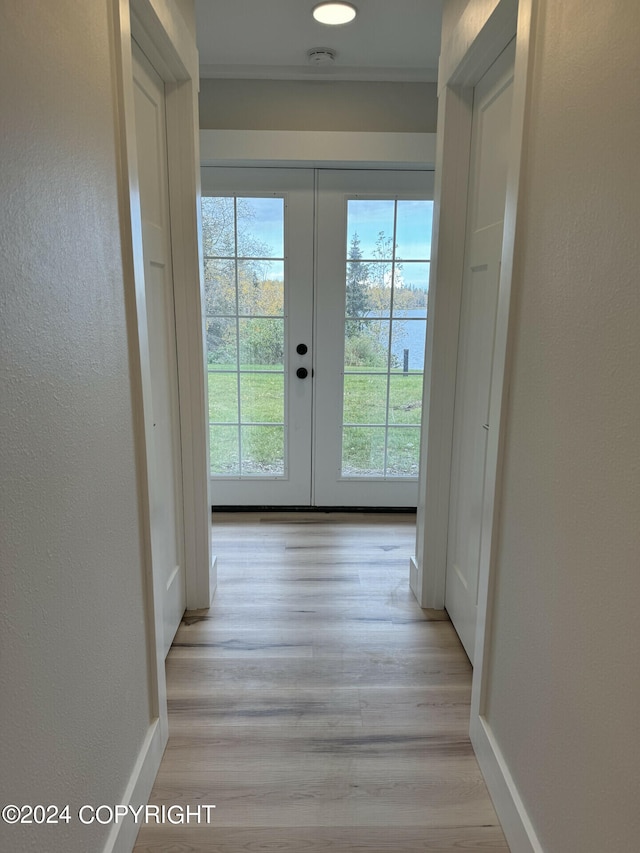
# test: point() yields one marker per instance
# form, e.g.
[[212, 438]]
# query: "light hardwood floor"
[[316, 705]]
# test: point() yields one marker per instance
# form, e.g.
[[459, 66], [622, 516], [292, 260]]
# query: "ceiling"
[[389, 40]]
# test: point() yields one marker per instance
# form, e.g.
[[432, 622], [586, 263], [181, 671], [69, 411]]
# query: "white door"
[[315, 290], [166, 509], [257, 233], [373, 250], [485, 215]]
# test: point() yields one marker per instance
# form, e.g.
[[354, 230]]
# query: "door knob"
[[301, 349], [302, 373]]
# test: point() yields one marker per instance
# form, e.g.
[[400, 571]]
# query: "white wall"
[[323, 105], [188, 12], [564, 685], [451, 13], [73, 667]]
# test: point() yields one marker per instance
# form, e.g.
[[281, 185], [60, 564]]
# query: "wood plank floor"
[[316, 705]]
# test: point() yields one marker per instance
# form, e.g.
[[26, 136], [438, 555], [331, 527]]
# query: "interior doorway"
[[315, 296], [167, 506], [491, 124]]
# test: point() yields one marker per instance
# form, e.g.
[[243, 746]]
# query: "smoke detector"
[[321, 56]]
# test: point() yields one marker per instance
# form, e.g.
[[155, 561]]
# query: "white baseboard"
[[516, 825], [213, 578], [122, 837], [414, 577]]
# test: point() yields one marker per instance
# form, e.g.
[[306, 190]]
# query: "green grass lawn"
[[262, 402]]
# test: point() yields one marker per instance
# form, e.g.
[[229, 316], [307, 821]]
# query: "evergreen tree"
[[357, 299]]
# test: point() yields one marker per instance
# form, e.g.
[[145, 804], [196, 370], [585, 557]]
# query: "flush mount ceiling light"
[[334, 13]]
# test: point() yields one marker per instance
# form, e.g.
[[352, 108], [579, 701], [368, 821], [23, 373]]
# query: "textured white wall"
[[564, 671], [73, 666]]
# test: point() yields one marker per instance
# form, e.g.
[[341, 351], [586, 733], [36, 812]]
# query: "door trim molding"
[[159, 27], [484, 30], [163, 34]]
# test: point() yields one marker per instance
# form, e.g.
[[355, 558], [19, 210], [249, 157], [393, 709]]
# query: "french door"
[[315, 297]]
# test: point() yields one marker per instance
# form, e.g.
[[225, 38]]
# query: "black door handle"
[[302, 349], [302, 373]]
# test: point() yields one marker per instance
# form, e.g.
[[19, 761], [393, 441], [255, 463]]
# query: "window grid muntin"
[[237, 317], [387, 426]]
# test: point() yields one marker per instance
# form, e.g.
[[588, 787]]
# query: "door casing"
[[471, 426], [158, 26], [167, 518], [482, 33]]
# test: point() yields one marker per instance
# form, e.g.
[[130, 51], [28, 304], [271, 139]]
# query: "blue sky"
[[267, 224], [366, 217]]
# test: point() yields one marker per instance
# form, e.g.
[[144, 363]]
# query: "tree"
[[239, 281], [223, 220], [409, 296], [357, 298], [383, 273]]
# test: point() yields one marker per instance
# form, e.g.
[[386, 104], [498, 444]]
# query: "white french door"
[[373, 249], [315, 298], [257, 229]]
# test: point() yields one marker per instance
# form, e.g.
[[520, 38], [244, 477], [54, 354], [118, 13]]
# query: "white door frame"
[[163, 35], [484, 30], [297, 149], [160, 30]]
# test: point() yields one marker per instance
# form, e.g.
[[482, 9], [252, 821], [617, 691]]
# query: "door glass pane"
[[369, 227], [243, 241], [403, 451], [262, 450], [261, 344], [219, 286], [357, 300], [411, 289], [222, 348], [366, 346], [379, 288], [223, 397], [261, 288], [218, 227], [407, 345], [413, 229], [262, 398], [260, 227], [362, 451], [387, 276], [365, 399], [405, 398], [223, 451]]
